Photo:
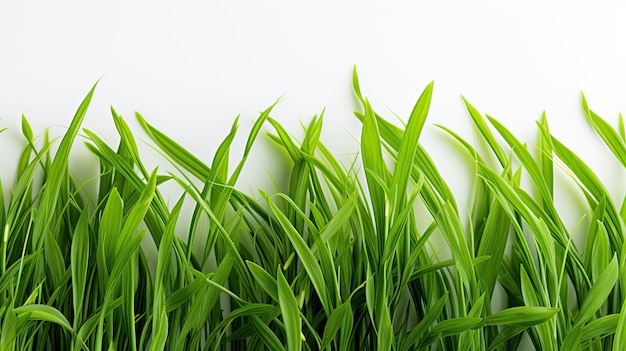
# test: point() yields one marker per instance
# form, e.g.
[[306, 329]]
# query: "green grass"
[[343, 260]]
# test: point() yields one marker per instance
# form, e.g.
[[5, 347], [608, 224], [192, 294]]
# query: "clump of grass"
[[340, 261]]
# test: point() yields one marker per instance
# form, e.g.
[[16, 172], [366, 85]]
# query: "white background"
[[191, 66]]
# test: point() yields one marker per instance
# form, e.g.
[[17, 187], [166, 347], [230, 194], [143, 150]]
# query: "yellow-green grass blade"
[[598, 293], [450, 327], [601, 252], [126, 249], [534, 294], [284, 139], [511, 202], [610, 136], [55, 261], [596, 227], [339, 219], [340, 320], [253, 310], [454, 235], [79, 264], [408, 148], [44, 313], [265, 333], [504, 335], [485, 132], [264, 280], [164, 267], [377, 174], [319, 249], [27, 131], [523, 316], [174, 150], [47, 205], [385, 330], [204, 303], [128, 140], [312, 134], [545, 156], [419, 330], [356, 85], [308, 260], [224, 235], [109, 232], [290, 313], [493, 244], [594, 190], [533, 169], [600, 328], [392, 135], [573, 338], [619, 342], [179, 297], [622, 129]]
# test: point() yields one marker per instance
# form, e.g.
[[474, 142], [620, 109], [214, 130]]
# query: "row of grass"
[[343, 260]]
